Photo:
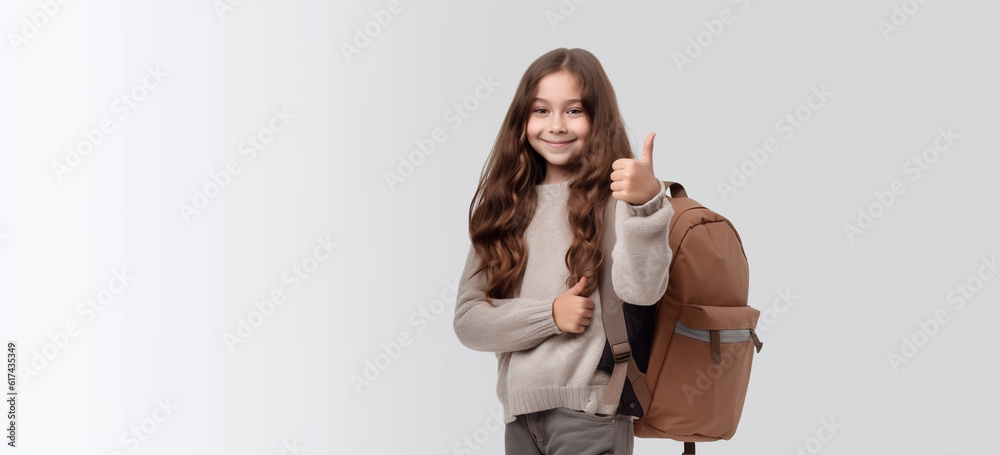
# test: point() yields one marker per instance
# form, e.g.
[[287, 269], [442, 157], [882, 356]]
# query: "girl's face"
[[557, 125]]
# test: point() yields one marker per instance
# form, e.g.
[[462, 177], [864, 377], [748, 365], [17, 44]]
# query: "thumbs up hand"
[[633, 181], [572, 312]]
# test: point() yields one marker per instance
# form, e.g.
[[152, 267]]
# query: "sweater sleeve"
[[642, 253], [508, 325]]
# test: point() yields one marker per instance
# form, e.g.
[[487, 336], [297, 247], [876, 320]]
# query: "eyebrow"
[[572, 101]]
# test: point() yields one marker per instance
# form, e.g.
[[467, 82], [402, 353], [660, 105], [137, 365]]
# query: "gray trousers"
[[564, 431]]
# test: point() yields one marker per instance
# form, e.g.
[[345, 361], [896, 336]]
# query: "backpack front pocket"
[[706, 371]]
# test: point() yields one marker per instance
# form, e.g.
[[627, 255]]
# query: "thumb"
[[579, 286], [647, 149]]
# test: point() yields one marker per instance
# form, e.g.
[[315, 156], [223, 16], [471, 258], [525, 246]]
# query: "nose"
[[557, 124]]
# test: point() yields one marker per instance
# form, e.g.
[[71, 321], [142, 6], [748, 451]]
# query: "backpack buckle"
[[621, 351]]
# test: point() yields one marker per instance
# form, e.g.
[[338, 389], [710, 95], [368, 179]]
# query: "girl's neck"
[[555, 179]]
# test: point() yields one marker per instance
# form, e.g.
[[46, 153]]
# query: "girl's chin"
[[569, 150], [562, 156], [562, 160]]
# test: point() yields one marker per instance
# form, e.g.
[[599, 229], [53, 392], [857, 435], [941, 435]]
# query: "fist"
[[571, 311], [633, 181]]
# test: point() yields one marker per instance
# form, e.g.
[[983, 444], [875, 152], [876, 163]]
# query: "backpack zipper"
[[715, 338], [725, 336]]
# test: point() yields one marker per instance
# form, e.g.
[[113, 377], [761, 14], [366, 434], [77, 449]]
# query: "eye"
[[541, 110], [576, 110]]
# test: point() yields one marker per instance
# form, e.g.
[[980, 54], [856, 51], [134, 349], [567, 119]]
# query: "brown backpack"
[[701, 340]]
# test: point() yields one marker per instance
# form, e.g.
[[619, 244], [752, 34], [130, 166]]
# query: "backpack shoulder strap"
[[611, 312], [614, 319], [625, 366]]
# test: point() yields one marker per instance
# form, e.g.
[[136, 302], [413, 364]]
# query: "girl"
[[530, 288]]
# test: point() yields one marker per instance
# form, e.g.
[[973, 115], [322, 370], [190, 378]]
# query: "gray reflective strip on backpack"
[[725, 336]]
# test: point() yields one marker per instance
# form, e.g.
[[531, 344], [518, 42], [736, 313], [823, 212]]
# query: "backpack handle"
[[676, 189]]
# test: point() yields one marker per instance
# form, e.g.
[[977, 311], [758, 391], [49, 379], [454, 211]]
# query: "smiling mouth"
[[558, 145]]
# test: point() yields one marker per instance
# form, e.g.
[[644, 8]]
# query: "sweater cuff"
[[541, 318], [652, 205]]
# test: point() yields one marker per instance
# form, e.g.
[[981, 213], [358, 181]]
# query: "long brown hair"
[[505, 200]]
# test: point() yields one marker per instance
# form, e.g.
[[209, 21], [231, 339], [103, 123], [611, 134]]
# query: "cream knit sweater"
[[539, 366]]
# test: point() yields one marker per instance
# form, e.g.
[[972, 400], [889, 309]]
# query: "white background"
[[286, 387]]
